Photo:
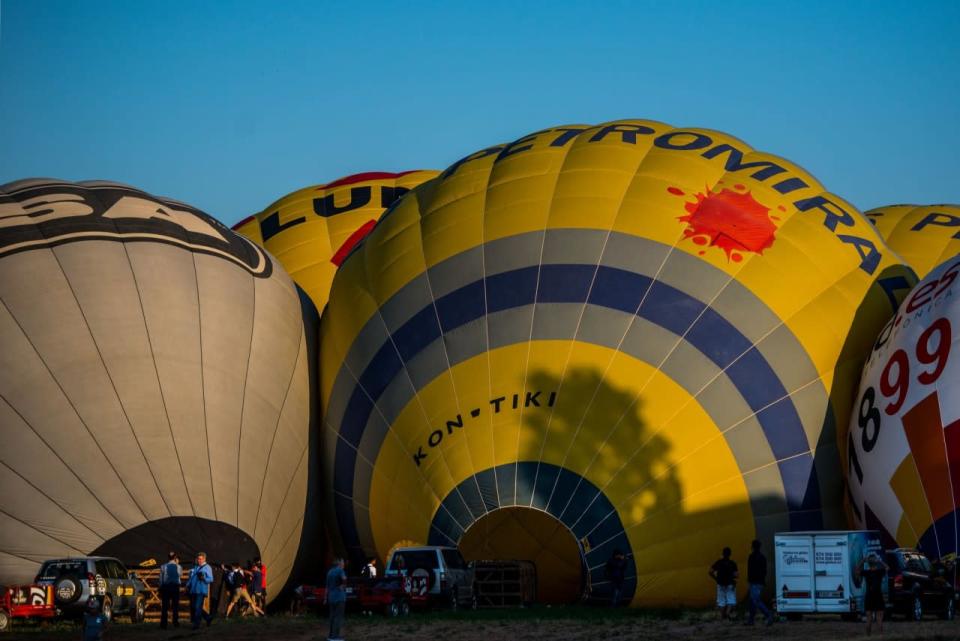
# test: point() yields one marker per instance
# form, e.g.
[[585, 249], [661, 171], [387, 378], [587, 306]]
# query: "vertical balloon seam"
[[286, 494], [203, 385], [618, 211], [243, 394], [113, 386], [426, 271], [153, 358], [276, 430], [369, 289], [680, 339]]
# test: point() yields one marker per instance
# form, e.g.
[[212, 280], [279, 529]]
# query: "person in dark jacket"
[[756, 578], [873, 571], [616, 573], [336, 597], [170, 590]]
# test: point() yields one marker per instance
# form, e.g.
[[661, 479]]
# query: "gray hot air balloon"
[[154, 384]]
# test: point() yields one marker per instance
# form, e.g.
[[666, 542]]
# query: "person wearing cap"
[[873, 571]]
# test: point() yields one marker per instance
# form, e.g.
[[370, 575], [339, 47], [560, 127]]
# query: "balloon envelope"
[[311, 230], [903, 440], [923, 235], [642, 333], [154, 384]]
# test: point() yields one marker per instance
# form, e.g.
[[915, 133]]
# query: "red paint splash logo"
[[729, 219]]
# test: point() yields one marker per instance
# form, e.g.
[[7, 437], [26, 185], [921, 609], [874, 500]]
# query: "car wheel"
[[949, 608], [454, 600], [393, 610], [404, 608], [108, 608], [139, 611], [4, 621], [67, 590], [916, 609]]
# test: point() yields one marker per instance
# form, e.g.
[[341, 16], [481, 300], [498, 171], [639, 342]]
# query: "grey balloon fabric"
[[153, 379]]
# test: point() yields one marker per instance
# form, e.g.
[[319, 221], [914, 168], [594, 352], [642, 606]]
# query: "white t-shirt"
[[371, 570]]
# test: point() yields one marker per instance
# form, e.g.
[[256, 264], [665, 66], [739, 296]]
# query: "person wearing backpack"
[[237, 581], [170, 590]]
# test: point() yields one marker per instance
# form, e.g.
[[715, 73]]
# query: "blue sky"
[[229, 105]]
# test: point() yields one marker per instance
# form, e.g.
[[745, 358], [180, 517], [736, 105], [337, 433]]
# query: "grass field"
[[559, 624]]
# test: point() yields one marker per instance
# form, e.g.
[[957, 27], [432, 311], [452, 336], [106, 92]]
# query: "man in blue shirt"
[[198, 585], [170, 590], [336, 597]]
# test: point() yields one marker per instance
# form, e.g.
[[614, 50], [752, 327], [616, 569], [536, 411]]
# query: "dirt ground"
[[558, 624]]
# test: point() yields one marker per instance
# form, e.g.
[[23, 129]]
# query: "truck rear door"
[[831, 573], [794, 566]]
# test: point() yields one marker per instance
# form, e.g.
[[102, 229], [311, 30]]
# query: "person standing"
[[170, 590], [873, 571], [370, 569], [724, 572], [336, 597], [616, 573], [263, 581], [198, 585], [756, 578], [257, 589]]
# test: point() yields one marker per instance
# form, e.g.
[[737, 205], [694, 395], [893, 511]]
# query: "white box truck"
[[817, 571]]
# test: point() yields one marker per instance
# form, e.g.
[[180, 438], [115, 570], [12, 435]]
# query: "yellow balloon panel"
[[642, 331], [924, 235], [312, 230]]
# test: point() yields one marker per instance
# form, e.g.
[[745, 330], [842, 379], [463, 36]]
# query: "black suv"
[[76, 579], [916, 586]]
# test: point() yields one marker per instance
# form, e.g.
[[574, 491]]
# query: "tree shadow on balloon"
[[597, 430]]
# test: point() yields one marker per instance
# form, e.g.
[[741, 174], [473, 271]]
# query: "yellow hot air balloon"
[[311, 230], [903, 463], [630, 336], [924, 235], [154, 384]]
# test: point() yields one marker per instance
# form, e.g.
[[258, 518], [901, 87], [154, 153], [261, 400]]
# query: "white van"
[[817, 571]]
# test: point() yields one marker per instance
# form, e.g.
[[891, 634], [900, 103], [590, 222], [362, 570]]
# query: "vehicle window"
[[414, 559], [53, 570], [117, 570], [915, 563], [453, 559], [103, 569]]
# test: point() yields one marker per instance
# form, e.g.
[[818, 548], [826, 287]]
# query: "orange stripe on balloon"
[[924, 429]]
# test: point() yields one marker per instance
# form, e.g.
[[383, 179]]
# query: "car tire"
[[65, 581], [949, 608], [404, 608], [4, 621], [139, 610], [916, 608], [107, 609], [454, 599]]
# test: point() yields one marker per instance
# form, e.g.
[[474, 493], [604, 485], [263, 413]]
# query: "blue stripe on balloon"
[[663, 305], [590, 516]]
